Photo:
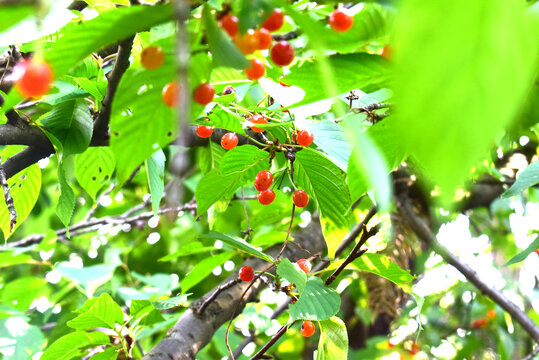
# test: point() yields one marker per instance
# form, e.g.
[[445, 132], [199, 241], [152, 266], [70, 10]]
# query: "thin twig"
[[423, 232], [271, 341], [355, 253], [532, 354], [238, 305], [288, 233], [248, 231]]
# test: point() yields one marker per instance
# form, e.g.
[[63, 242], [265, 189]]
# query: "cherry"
[[491, 314], [36, 78], [274, 21], [264, 39], [282, 53], [247, 43], [307, 328], [414, 349], [305, 137], [536, 251], [170, 94], [247, 273], [204, 93], [266, 197], [263, 180], [304, 265], [229, 23], [340, 21], [204, 131], [479, 323], [300, 198], [256, 71], [228, 90], [229, 141], [152, 57], [258, 119], [386, 52]]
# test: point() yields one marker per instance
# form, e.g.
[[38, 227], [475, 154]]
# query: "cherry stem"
[[288, 233], [272, 341]]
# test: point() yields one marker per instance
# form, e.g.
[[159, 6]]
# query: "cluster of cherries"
[[481, 322], [247, 274], [263, 181]]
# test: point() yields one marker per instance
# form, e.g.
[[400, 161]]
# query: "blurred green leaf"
[[239, 244], [333, 343], [456, 62], [155, 167], [524, 254], [528, 177], [70, 345], [203, 269]]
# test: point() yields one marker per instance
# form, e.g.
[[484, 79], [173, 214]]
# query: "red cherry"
[[228, 90], [256, 71], [152, 57], [304, 265], [305, 138], [282, 53], [414, 349], [266, 197], [274, 21], [247, 43], [204, 94], [204, 131], [479, 323], [263, 180], [386, 52], [229, 23], [36, 78], [536, 251], [340, 21], [264, 39], [229, 141], [258, 119], [170, 94], [491, 314], [307, 328], [247, 273], [300, 198]]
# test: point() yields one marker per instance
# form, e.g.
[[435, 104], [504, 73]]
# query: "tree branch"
[[423, 232], [101, 124], [192, 332]]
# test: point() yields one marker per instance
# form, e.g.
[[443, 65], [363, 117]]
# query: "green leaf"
[[213, 187], [382, 266], [144, 313], [66, 201], [324, 182], [528, 177], [90, 277], [24, 189], [12, 14], [239, 244], [9, 258], [245, 161], [457, 61], [71, 123], [170, 302], [66, 92], [317, 302], [353, 71], [387, 141], [210, 157], [138, 112], [333, 343], [186, 250], [524, 254], [70, 345], [224, 119], [224, 52], [91, 87], [372, 170], [103, 313], [107, 28], [94, 168], [203, 269], [286, 270], [110, 353], [331, 138], [22, 291], [20, 340], [155, 167]]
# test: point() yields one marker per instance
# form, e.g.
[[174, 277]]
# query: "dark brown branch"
[[355, 253], [272, 341], [24, 159], [423, 232], [101, 124], [533, 354], [9, 200], [28, 135]]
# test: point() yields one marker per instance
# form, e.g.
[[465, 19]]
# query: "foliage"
[[114, 235]]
